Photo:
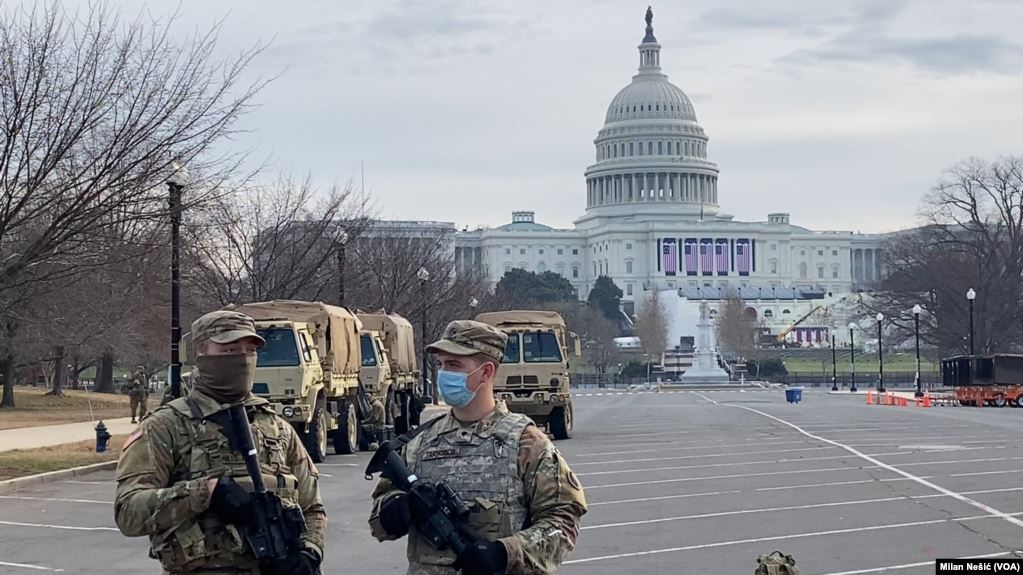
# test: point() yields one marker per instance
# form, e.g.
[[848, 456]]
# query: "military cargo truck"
[[533, 377], [389, 372], [309, 370]]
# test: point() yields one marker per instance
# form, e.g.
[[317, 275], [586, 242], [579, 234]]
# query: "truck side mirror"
[[576, 348]]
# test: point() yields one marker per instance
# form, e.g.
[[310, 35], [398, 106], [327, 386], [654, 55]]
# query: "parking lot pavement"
[[682, 482]]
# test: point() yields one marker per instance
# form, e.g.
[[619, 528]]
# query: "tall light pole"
[[916, 326], [970, 296], [424, 276], [175, 182], [880, 355], [834, 365], [342, 246], [852, 359]]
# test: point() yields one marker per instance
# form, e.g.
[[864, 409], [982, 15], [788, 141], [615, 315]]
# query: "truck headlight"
[[288, 411], [298, 411]]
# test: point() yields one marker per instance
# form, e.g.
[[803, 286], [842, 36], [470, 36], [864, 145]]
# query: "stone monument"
[[705, 367]]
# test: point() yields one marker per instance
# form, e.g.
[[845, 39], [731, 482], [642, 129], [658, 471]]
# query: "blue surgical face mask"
[[454, 387]]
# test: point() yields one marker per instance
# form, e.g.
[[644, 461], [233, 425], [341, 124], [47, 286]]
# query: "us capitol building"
[[654, 223]]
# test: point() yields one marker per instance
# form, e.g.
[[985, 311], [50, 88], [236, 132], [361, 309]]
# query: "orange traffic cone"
[[927, 400], [870, 397]]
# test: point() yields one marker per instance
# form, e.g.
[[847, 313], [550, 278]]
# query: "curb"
[[51, 476]]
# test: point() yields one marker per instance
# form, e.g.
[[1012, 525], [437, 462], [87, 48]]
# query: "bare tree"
[[973, 238], [652, 327], [737, 328], [278, 241], [596, 333], [383, 273], [93, 111]]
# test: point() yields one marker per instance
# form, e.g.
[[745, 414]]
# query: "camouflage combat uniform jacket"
[[518, 487], [162, 484]]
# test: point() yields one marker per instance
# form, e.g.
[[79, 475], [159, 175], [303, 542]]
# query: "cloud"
[[955, 54], [809, 18], [410, 37]]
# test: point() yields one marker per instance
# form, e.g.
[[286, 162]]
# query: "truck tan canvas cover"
[[497, 318], [398, 336], [344, 355]]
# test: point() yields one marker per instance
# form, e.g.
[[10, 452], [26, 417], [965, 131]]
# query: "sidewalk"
[[47, 435]]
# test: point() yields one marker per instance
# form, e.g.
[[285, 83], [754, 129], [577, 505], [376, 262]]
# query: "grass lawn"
[[21, 462], [35, 408]]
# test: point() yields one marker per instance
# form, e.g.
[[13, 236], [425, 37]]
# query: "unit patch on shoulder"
[[132, 438]]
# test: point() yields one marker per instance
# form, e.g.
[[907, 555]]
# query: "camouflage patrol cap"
[[224, 326], [467, 337]]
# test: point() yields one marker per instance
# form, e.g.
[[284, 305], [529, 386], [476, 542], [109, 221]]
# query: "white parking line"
[[26, 498], [958, 496], [702, 456], [47, 526], [794, 508], [33, 567], [833, 483], [778, 538], [750, 443], [986, 473], [911, 565], [737, 463], [732, 476], [641, 499]]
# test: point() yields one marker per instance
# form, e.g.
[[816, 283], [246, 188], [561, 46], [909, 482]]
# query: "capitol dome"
[[651, 154], [650, 96]]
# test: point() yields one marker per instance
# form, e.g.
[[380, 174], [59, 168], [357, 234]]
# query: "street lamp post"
[[880, 355], [916, 326], [852, 359], [834, 365], [970, 296], [175, 182], [342, 241], [423, 276]]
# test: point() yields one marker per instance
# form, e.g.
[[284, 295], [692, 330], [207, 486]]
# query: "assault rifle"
[[439, 513], [273, 530]]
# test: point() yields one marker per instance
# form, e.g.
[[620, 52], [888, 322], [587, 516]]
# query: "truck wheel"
[[315, 436], [346, 438], [999, 401], [401, 422], [561, 422]]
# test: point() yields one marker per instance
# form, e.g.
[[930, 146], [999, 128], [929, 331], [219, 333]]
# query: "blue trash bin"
[[794, 394]]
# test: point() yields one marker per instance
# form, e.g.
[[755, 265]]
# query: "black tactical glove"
[[483, 558], [230, 501], [395, 515], [304, 562]]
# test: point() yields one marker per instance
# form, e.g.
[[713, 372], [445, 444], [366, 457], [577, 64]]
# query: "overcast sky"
[[841, 112]]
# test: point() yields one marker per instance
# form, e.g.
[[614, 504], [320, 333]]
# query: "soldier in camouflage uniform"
[[138, 393], [179, 481], [525, 502]]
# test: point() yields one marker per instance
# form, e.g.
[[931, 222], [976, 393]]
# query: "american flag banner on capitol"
[[691, 259], [707, 256], [742, 256], [721, 256], [669, 256]]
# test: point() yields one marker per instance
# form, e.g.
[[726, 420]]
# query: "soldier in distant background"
[[138, 392], [524, 501]]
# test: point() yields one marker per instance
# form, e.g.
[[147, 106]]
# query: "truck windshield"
[[541, 347], [369, 356], [280, 349], [511, 349]]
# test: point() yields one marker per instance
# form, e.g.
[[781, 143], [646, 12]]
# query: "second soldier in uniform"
[[178, 479], [525, 503]]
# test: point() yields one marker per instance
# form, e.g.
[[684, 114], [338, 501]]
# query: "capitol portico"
[[653, 218]]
